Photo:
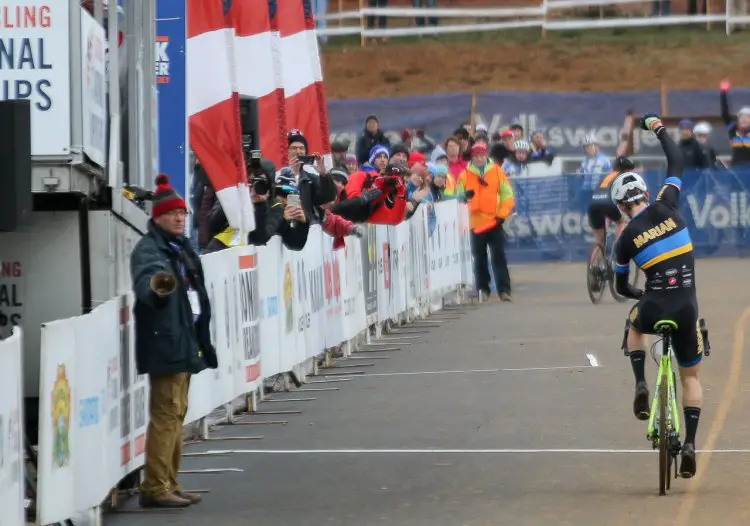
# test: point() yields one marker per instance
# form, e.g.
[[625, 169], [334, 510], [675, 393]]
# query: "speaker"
[[249, 123], [15, 164]]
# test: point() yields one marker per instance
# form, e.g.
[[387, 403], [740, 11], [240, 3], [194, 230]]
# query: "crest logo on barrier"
[[61, 419], [288, 296]]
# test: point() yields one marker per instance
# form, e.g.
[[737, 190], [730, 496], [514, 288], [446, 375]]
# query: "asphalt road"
[[517, 428]]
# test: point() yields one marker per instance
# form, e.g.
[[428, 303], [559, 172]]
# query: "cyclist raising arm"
[[658, 241]]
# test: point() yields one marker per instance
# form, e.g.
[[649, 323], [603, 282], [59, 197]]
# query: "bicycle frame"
[[666, 369]]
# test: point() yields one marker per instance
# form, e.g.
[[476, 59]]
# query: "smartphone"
[[292, 200], [307, 159]]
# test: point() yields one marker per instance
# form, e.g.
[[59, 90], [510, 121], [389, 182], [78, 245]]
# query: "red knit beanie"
[[166, 197], [416, 158]]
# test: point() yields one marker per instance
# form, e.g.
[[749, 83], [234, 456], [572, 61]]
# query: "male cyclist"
[[657, 239], [601, 206]]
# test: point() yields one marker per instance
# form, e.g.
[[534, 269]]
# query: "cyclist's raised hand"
[[651, 121]]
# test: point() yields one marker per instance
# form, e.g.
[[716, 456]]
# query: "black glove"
[[469, 194], [651, 121], [371, 195]]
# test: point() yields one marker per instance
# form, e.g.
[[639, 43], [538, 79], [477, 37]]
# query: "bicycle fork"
[[673, 419]]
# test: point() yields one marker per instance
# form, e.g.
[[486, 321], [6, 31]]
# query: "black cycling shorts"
[[600, 209], [680, 307]]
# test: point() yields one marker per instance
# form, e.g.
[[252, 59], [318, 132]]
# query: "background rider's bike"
[[600, 271], [664, 420]]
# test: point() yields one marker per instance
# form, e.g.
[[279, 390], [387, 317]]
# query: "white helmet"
[[521, 146], [702, 128], [590, 139], [628, 187]]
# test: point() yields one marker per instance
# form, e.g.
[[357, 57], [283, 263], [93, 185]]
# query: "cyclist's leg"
[[637, 345], [688, 348], [597, 224]]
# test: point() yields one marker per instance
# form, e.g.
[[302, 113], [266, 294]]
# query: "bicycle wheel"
[[664, 446], [596, 274]]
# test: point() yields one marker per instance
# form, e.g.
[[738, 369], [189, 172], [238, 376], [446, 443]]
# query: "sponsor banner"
[[566, 117], [11, 295], [169, 64], [271, 305], [35, 65], [94, 82], [551, 220], [370, 272], [12, 482], [355, 319]]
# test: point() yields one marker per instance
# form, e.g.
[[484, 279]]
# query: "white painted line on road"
[[592, 360], [468, 371], [211, 470], [456, 451]]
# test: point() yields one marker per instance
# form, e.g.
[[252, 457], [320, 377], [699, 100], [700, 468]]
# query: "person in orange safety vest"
[[490, 201]]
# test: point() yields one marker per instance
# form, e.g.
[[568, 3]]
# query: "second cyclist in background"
[[601, 206]]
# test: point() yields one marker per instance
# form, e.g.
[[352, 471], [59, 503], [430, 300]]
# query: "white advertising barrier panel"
[[35, 65], [419, 279], [334, 274], [76, 412], [94, 85], [355, 319], [272, 309], [464, 237], [12, 483]]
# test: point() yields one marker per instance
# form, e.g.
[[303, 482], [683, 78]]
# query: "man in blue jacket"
[[172, 339]]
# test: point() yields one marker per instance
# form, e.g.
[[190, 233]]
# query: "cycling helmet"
[[702, 128], [521, 146], [628, 187], [590, 139], [624, 164]]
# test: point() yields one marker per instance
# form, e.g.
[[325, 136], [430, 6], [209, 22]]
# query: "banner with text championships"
[[551, 222], [273, 310], [12, 485]]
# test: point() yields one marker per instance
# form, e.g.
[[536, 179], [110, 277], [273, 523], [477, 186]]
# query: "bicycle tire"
[[664, 446], [594, 284]]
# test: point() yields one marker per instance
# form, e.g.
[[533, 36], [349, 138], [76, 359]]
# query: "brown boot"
[[165, 500], [193, 498]]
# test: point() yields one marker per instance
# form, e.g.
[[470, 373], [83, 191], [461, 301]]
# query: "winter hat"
[[377, 150], [166, 197], [442, 170], [339, 175], [437, 154], [399, 148], [295, 135], [478, 149], [506, 133], [351, 157], [340, 145], [416, 158], [433, 169], [685, 123], [480, 128]]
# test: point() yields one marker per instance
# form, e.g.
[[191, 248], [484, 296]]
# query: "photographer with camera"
[[274, 214], [316, 187]]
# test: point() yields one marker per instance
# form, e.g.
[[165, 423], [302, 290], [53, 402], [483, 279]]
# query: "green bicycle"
[[664, 433]]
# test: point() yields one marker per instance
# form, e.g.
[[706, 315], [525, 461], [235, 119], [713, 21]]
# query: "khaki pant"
[[168, 406]]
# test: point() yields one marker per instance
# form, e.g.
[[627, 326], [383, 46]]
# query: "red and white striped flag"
[[213, 108]]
